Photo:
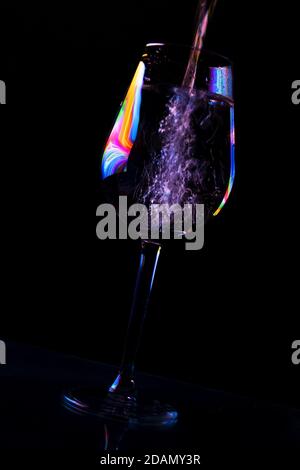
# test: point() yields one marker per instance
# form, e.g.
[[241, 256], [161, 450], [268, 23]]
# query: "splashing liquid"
[[188, 156]]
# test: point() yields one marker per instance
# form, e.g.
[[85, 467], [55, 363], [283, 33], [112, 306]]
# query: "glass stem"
[[150, 253]]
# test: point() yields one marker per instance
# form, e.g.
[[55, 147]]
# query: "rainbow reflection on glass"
[[220, 81], [124, 133], [232, 165], [221, 84]]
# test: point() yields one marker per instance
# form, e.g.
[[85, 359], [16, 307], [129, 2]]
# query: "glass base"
[[128, 409]]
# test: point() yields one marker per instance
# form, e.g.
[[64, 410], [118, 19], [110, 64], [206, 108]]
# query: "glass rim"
[[206, 52]]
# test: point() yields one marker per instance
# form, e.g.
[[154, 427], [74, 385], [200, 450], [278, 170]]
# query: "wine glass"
[[168, 145]]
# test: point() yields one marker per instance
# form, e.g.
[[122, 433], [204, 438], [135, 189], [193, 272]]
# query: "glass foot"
[[128, 409]]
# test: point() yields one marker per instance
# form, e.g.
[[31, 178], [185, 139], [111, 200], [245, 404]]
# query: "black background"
[[224, 317]]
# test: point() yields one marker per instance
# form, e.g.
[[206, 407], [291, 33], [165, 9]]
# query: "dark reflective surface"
[[211, 422]]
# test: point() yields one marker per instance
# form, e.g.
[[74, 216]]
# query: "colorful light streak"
[[125, 130], [232, 169], [220, 81]]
